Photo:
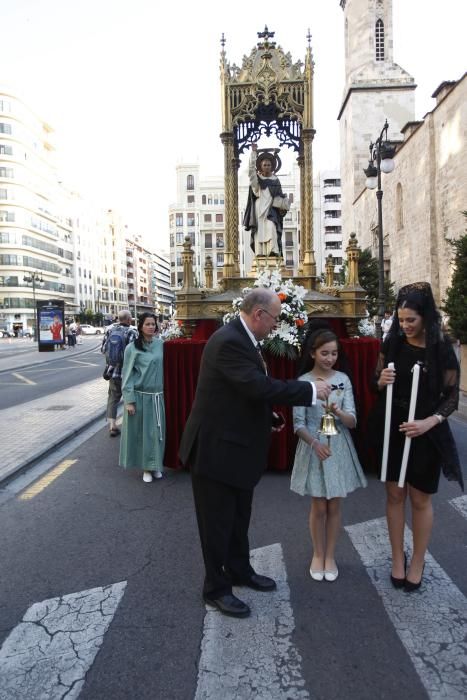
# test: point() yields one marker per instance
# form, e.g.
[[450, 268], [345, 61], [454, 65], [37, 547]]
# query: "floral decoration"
[[172, 329], [366, 327], [285, 340]]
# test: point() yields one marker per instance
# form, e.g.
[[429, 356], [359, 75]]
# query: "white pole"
[[387, 427], [407, 443]]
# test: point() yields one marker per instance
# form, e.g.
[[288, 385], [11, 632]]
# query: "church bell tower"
[[375, 89]]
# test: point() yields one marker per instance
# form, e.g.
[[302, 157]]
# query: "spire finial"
[[266, 34]]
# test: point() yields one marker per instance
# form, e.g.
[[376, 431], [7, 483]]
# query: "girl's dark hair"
[[315, 326], [139, 342], [418, 297], [314, 340]]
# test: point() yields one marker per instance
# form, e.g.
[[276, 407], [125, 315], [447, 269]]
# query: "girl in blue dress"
[[327, 474]]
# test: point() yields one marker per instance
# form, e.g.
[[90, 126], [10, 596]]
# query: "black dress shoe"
[[229, 604], [256, 581], [410, 586], [400, 582]]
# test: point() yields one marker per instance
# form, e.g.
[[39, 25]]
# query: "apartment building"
[[148, 279], [36, 248], [331, 216], [163, 294], [199, 214]]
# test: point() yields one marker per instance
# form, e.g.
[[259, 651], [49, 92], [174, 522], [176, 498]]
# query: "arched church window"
[[380, 40], [203, 199], [190, 182], [399, 207]]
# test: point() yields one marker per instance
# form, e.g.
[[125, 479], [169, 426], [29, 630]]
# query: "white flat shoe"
[[157, 475], [316, 575], [147, 477], [331, 575]]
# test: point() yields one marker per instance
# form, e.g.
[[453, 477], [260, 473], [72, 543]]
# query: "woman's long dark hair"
[[139, 342], [418, 297]]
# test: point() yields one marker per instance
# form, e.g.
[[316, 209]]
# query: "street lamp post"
[[381, 160], [34, 278]]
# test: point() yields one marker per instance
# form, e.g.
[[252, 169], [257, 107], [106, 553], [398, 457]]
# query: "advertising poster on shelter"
[[51, 323]]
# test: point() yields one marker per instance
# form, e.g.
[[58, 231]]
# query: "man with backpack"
[[116, 338]]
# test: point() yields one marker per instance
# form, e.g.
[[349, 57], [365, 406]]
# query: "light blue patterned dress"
[[340, 473]]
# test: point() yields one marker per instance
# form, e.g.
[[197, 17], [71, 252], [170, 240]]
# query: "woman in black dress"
[[416, 337]]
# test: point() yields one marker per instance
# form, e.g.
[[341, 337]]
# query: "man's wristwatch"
[[439, 417]]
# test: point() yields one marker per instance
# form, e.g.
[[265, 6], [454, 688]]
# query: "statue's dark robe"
[[275, 215]]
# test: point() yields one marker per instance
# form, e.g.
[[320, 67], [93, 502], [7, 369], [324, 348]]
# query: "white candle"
[[387, 427], [413, 403]]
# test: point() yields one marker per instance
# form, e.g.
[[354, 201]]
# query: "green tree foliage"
[[456, 298], [368, 274], [88, 316]]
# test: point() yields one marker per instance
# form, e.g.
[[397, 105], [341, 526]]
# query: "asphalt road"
[[97, 525], [66, 369]]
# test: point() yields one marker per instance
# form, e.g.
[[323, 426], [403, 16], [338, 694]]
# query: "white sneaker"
[[147, 477], [157, 474]]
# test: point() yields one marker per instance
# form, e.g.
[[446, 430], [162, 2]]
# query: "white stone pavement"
[[30, 430]]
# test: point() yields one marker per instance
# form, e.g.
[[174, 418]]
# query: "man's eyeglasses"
[[275, 318]]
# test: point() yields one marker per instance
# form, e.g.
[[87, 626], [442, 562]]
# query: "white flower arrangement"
[[172, 330], [286, 339], [366, 327]]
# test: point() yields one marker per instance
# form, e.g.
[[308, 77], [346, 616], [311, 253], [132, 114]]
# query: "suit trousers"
[[223, 513]]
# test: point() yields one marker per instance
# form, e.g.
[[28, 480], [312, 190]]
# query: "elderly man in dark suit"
[[226, 441]]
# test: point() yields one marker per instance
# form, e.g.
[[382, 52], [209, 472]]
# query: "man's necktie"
[[258, 347]]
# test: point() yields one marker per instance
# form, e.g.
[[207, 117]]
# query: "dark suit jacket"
[[228, 431]]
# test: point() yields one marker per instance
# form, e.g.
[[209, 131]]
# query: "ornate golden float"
[[269, 95]]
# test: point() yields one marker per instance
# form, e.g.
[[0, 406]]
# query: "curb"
[[40, 454]]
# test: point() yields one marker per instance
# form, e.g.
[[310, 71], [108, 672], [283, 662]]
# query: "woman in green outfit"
[[143, 432]]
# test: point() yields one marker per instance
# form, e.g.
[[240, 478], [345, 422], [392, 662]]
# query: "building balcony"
[[332, 206]]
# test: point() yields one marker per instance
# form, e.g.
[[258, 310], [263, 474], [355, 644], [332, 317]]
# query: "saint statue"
[[267, 205]]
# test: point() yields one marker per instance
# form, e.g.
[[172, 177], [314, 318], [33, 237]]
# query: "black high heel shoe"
[[409, 586], [400, 582]]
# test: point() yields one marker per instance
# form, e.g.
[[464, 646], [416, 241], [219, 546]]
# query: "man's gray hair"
[[124, 316], [261, 296]]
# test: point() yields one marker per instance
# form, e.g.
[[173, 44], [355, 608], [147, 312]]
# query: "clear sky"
[[132, 87]]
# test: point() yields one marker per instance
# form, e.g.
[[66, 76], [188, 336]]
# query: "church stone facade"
[[375, 89], [425, 195]]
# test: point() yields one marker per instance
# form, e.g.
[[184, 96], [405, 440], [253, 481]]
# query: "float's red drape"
[[181, 366]]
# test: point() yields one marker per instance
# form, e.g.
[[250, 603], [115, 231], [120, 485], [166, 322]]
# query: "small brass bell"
[[328, 426]]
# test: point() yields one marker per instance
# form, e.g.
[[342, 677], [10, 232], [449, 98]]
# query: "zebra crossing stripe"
[[460, 504], [430, 623], [49, 653], [253, 657]]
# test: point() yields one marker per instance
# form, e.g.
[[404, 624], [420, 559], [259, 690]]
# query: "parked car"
[[87, 329], [6, 334]]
